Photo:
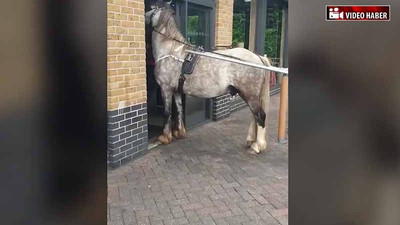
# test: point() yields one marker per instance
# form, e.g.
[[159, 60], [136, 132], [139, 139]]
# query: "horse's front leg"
[[166, 137], [180, 131]]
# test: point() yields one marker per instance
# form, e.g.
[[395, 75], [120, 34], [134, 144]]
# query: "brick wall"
[[126, 81], [221, 107], [223, 22], [127, 134], [237, 103], [225, 104]]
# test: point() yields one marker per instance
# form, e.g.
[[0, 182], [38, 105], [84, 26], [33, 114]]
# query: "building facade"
[[134, 101]]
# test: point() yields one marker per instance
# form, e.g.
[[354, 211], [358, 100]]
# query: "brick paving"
[[207, 178]]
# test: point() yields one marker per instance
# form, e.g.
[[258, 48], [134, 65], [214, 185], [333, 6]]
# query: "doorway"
[[198, 34], [195, 21]]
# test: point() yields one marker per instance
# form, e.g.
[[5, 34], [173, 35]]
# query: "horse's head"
[[158, 11]]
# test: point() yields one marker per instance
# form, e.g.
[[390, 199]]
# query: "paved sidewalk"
[[207, 178]]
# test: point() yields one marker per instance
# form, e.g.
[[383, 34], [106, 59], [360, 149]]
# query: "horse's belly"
[[202, 94], [204, 86]]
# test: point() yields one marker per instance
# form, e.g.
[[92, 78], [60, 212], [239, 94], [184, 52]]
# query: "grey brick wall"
[[221, 107], [237, 103], [225, 104], [127, 134]]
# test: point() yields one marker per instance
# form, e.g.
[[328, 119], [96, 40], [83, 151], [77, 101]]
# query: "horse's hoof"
[[179, 134], [254, 149], [182, 132], [249, 143], [175, 133], [180, 137], [165, 139], [262, 146], [251, 151]]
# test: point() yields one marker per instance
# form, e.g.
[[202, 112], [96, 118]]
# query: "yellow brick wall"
[[223, 22], [126, 72]]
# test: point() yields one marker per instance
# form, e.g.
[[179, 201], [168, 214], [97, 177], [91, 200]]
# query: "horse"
[[210, 78]]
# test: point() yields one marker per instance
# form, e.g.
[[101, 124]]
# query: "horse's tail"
[[265, 61], [264, 95]]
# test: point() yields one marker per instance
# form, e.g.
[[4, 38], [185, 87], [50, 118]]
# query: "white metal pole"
[[215, 56]]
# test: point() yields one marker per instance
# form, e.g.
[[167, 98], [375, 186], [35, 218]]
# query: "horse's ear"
[[169, 3]]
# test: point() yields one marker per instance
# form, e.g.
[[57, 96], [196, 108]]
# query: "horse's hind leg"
[[166, 137], [180, 131], [256, 109], [252, 134], [259, 129], [261, 142]]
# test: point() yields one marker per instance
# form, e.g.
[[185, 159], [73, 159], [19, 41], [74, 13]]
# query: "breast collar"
[[172, 56]]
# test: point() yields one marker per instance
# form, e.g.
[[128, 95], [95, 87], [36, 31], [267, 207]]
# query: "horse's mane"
[[171, 29]]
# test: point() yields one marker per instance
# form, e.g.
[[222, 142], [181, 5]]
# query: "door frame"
[[182, 20], [181, 16]]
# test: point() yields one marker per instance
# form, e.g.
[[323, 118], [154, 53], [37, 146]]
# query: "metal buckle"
[[189, 57]]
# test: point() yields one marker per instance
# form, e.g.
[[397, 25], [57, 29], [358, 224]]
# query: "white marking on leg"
[[251, 135], [261, 138]]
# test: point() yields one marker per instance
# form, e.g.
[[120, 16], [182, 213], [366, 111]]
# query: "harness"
[[172, 56], [188, 67]]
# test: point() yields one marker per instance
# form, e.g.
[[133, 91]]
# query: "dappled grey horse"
[[210, 77]]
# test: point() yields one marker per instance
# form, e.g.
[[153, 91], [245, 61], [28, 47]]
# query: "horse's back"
[[242, 54]]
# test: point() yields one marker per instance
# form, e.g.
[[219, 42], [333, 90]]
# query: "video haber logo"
[[334, 14], [357, 13]]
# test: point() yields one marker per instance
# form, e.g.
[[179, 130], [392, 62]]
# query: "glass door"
[[198, 33]]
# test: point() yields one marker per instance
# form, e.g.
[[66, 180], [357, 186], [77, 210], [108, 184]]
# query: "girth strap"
[[182, 79], [187, 68]]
